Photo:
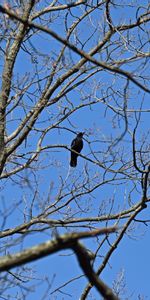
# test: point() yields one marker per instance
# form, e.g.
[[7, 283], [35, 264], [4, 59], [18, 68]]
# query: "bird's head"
[[80, 134]]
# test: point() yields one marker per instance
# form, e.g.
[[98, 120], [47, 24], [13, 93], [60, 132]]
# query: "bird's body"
[[76, 145]]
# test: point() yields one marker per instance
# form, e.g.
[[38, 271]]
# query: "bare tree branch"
[[74, 48]]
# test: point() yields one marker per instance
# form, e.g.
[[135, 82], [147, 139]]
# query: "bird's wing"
[[73, 144]]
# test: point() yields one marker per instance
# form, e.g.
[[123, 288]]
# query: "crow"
[[77, 145]]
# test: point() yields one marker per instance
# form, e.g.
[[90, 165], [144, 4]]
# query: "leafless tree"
[[68, 67]]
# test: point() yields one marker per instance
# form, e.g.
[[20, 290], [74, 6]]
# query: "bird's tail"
[[73, 162]]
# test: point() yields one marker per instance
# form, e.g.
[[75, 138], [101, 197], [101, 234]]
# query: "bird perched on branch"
[[76, 145]]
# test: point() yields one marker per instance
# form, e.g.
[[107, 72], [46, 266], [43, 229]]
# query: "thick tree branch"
[[61, 242], [10, 59], [85, 264]]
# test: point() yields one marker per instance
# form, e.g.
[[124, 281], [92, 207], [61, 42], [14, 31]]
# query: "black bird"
[[77, 145]]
